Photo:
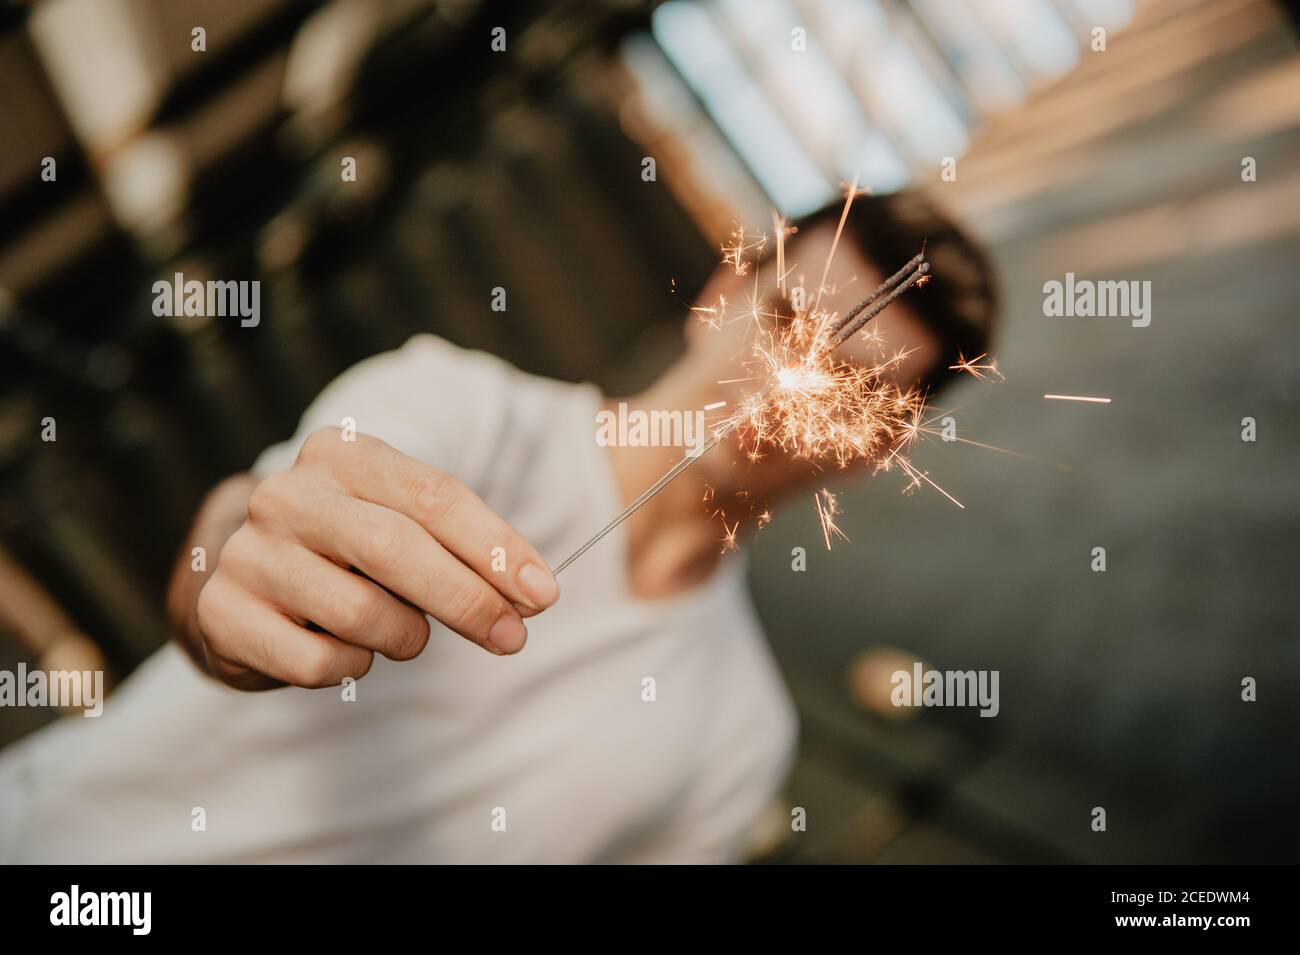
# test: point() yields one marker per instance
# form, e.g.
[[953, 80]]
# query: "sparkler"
[[811, 405]]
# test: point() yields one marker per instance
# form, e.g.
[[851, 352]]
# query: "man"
[[409, 563]]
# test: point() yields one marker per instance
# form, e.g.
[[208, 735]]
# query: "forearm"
[[219, 516]]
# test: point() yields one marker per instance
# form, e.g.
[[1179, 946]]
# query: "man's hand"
[[341, 557]]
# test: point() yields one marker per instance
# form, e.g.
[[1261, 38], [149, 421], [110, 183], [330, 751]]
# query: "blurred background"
[[523, 170]]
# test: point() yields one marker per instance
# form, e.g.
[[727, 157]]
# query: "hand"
[[341, 556]]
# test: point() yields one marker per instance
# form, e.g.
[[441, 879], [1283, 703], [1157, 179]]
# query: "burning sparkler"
[[811, 404]]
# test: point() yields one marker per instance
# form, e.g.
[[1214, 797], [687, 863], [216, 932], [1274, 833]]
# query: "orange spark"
[[1099, 401], [827, 507], [729, 534], [984, 372]]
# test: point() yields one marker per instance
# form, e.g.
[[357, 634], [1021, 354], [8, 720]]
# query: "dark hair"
[[960, 302]]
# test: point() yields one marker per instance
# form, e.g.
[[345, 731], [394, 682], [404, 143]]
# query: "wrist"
[[219, 516]]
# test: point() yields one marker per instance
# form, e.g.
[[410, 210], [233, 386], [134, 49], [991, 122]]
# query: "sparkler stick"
[[650, 492], [865, 311], [883, 287], [881, 298]]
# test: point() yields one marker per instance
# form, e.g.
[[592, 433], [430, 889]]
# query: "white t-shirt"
[[438, 755]]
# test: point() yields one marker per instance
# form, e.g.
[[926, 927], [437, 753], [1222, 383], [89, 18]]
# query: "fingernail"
[[507, 634], [538, 586]]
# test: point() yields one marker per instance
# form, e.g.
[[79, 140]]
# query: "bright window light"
[[690, 37]]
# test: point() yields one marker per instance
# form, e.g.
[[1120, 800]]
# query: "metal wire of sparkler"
[[853, 321]]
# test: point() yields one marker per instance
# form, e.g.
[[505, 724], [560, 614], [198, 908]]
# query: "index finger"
[[446, 508]]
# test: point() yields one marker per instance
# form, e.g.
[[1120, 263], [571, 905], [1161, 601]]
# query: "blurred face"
[[850, 278]]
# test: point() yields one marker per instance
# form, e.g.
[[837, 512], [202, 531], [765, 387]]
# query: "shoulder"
[[432, 400]]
